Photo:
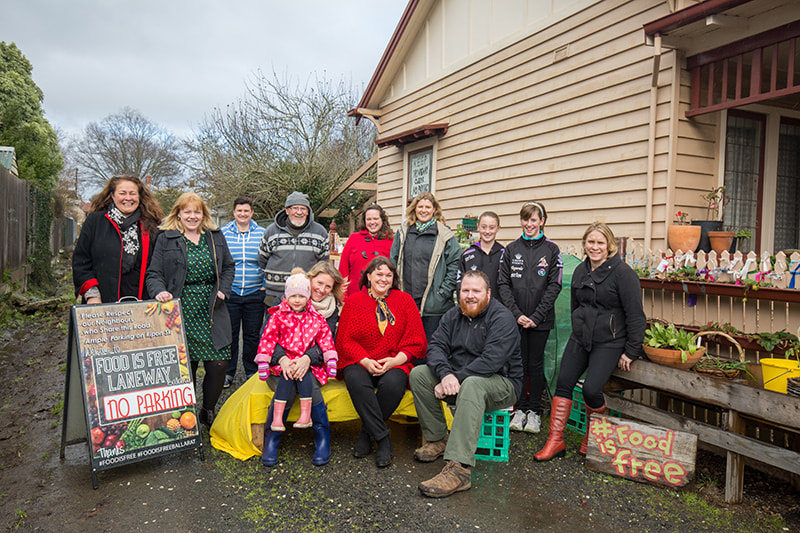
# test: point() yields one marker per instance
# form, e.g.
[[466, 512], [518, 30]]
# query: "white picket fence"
[[724, 268]]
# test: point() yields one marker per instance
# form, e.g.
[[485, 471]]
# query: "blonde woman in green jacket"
[[426, 253]]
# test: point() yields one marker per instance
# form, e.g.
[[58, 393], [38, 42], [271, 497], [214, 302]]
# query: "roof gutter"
[[687, 16]]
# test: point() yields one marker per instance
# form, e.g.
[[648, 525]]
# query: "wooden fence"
[[14, 221]]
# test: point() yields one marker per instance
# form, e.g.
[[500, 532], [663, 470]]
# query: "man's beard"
[[472, 313]]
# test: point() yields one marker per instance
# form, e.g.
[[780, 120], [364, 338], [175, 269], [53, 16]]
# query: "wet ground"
[[41, 492]]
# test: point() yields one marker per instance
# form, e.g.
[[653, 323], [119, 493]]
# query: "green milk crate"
[[577, 417], [494, 437]]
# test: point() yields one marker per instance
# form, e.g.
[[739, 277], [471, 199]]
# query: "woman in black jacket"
[[116, 242], [608, 324], [529, 281], [191, 261]]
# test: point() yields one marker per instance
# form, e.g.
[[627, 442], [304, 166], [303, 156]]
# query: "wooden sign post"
[[128, 390], [641, 452]]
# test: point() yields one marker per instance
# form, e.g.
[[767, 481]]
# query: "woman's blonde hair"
[[602, 227], [173, 220], [411, 212], [339, 283]]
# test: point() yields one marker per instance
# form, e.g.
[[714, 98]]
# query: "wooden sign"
[[129, 390], [641, 452], [420, 172]]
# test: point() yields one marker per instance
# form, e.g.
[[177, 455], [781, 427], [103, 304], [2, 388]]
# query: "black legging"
[[373, 406], [600, 363], [213, 382], [532, 343]]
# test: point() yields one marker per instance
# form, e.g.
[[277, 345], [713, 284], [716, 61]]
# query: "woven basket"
[[708, 363], [793, 386]]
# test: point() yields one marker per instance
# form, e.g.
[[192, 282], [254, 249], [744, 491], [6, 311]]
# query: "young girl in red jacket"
[[295, 325]]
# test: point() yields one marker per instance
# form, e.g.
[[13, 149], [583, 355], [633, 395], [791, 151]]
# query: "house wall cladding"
[[572, 133]]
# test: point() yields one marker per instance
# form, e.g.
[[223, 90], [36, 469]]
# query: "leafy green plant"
[[744, 234], [659, 336], [724, 327], [779, 339]]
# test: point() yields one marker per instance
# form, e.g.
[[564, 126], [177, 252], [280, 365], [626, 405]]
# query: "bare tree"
[[128, 143], [281, 136]]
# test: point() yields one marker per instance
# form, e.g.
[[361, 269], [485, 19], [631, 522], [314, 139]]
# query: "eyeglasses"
[[297, 209]]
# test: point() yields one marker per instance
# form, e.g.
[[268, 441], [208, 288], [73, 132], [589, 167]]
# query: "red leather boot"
[[559, 414], [585, 441]]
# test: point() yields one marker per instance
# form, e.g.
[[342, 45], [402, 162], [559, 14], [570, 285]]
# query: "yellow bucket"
[[777, 371]]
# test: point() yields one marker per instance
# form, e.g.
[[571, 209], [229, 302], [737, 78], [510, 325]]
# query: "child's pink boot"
[[277, 416], [305, 414]]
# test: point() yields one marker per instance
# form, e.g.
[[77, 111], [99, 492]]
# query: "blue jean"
[[246, 312]]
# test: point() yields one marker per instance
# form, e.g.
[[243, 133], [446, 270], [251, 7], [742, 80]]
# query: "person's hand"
[[388, 363], [525, 322], [372, 366], [94, 300], [164, 296], [438, 392], [450, 385], [220, 295], [301, 365], [287, 367], [624, 363]]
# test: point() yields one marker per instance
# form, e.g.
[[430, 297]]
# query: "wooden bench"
[[741, 402]]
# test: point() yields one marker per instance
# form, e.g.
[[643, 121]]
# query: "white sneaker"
[[533, 423], [517, 420]]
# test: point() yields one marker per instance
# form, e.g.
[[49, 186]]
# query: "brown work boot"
[[453, 478], [430, 451]]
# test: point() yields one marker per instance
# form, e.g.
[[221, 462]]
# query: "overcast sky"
[[175, 60]]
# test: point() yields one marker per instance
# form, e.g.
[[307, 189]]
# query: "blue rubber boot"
[[272, 440], [322, 434]]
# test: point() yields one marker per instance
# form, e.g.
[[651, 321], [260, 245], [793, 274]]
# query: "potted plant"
[[715, 200], [681, 235], [671, 346], [739, 236]]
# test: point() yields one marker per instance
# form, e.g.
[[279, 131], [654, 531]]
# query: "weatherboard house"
[[625, 111]]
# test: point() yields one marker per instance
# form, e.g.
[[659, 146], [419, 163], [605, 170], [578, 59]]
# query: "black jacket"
[[607, 307], [167, 272], [97, 259], [482, 346], [530, 279], [473, 258]]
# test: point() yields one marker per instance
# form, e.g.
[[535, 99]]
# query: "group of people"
[[385, 321]]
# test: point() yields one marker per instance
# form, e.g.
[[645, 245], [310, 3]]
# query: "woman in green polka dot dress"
[[191, 261]]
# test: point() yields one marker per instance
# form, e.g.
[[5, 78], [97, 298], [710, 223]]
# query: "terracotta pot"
[[668, 357], [683, 237], [720, 240]]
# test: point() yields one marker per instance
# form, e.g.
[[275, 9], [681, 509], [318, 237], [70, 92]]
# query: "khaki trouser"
[[477, 396]]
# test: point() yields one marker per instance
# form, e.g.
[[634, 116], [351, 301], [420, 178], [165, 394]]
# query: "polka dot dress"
[[200, 278]]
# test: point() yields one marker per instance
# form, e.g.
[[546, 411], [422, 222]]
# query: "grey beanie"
[[297, 198]]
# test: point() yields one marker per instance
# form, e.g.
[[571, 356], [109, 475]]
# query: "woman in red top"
[[380, 334], [374, 239]]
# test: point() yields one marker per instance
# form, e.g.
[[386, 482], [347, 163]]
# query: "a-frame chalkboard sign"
[[128, 390]]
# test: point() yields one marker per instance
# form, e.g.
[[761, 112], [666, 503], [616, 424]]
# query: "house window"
[[744, 168], [787, 212], [420, 171]]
